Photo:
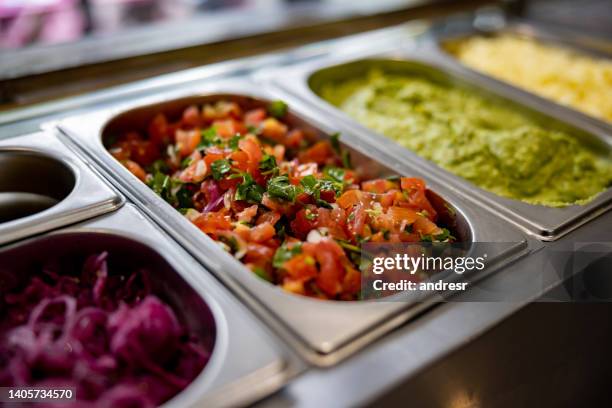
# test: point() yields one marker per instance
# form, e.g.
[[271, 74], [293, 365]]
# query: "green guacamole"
[[486, 143]]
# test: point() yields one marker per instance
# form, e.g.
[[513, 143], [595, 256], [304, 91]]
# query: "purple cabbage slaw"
[[104, 335]]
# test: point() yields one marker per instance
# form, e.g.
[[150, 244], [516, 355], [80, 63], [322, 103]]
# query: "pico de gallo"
[[287, 205]]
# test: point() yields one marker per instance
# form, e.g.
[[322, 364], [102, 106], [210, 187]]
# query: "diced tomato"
[[221, 110], [328, 195], [240, 160], [352, 282], [378, 186], [273, 204], [258, 254], [294, 286], [212, 156], [426, 226], [378, 210], [401, 214], [304, 198], [319, 153], [305, 221], [195, 172], [253, 150], [305, 169], [414, 188], [270, 217], [226, 184], [143, 152], [229, 127], [356, 218], [191, 116], [158, 130], [333, 221], [213, 222], [120, 151], [248, 214], [279, 153], [386, 199], [262, 232], [187, 140], [271, 128], [254, 117], [135, 169], [327, 253], [301, 267], [353, 197], [294, 138]]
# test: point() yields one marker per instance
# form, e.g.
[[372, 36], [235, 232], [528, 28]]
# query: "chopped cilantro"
[[268, 165], [209, 138], [314, 186], [249, 190], [346, 159], [262, 273], [233, 142], [186, 162], [310, 215], [444, 235], [284, 253], [158, 166], [220, 167], [278, 109], [160, 183], [280, 188], [334, 140], [335, 173]]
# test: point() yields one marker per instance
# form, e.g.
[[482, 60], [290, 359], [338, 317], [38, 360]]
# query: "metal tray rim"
[[89, 197]]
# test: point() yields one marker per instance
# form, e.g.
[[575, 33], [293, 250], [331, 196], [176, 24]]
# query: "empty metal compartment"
[[44, 186], [30, 183], [546, 223], [322, 331], [245, 363]]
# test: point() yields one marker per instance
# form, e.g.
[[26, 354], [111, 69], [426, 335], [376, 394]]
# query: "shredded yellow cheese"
[[567, 77]]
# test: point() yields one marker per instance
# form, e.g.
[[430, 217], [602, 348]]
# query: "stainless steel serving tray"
[[492, 24], [323, 332], [544, 223], [246, 363], [37, 171]]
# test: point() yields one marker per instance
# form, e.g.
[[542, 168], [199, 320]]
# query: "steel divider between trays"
[[545, 223], [246, 364], [79, 193], [329, 331]]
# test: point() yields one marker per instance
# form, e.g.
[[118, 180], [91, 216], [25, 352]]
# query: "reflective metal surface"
[[322, 331], [246, 363], [44, 186]]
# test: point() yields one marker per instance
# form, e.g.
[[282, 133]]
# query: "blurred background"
[[98, 43]]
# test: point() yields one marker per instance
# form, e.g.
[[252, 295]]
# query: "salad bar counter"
[[198, 242]]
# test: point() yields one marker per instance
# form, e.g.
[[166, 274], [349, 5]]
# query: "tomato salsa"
[[287, 205]]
